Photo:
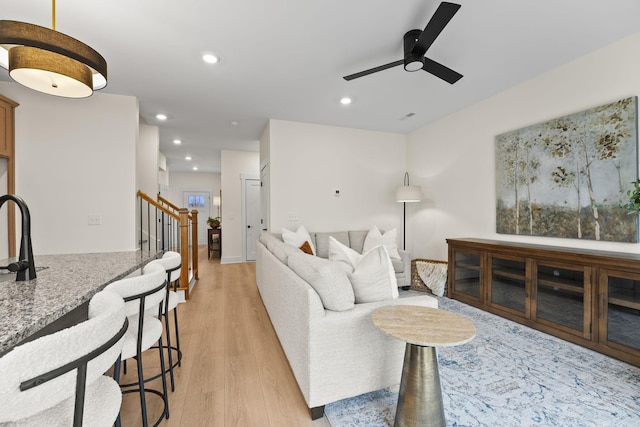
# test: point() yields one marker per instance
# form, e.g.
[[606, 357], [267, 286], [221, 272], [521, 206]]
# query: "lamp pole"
[[404, 225]]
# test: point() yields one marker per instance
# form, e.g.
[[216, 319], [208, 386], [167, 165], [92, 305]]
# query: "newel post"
[[184, 250], [194, 243]]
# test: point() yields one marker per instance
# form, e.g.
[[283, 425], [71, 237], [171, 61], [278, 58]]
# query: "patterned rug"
[[512, 375]]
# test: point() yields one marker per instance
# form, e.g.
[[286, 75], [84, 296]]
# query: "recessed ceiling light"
[[161, 116], [345, 100], [177, 141], [188, 158], [234, 123], [210, 58], [195, 168]]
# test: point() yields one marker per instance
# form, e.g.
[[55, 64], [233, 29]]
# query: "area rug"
[[512, 375]]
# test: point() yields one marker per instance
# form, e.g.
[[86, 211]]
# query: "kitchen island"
[[59, 296]]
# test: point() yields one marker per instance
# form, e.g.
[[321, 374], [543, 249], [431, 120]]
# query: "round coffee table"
[[423, 329]]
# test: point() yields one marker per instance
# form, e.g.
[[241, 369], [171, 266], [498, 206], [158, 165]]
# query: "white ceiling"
[[285, 59]]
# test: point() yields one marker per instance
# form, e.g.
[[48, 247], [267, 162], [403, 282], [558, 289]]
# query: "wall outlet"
[[94, 220], [293, 216]]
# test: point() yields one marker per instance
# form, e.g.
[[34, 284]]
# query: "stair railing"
[[162, 226]]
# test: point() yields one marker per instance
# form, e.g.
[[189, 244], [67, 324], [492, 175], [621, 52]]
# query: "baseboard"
[[231, 260]]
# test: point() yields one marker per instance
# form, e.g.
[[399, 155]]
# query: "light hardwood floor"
[[234, 372]]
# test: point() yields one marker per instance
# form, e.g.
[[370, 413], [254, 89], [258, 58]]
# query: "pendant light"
[[48, 61]]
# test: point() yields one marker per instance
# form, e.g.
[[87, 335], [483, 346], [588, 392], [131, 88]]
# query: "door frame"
[[244, 178]]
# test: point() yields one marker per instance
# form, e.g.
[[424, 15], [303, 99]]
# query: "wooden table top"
[[424, 326]]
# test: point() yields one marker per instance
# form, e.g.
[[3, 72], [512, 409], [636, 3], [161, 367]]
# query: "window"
[[196, 201]]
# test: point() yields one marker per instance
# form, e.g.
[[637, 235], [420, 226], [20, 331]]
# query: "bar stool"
[[171, 262], [142, 293], [57, 380]]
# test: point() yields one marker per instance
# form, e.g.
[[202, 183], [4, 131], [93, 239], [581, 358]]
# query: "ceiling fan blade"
[[373, 70], [439, 70], [434, 27]]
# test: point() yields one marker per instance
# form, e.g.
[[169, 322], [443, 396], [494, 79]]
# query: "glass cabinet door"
[[620, 309], [508, 283], [467, 278], [563, 297]]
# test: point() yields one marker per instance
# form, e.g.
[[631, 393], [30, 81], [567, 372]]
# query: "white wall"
[[76, 158], [453, 159], [308, 162], [147, 152], [233, 165]]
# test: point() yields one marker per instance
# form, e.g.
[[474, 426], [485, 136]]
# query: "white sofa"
[[333, 354]]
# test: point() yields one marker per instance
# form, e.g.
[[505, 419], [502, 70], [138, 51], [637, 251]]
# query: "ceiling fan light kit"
[[417, 42], [48, 61]]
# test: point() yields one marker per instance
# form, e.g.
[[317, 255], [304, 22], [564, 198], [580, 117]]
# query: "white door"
[[264, 198], [252, 217], [200, 200]]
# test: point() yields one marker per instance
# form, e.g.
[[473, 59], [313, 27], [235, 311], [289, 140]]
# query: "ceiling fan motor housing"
[[412, 61]]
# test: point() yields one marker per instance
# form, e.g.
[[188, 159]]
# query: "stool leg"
[[143, 399], [116, 377], [164, 378], [168, 332], [175, 320]]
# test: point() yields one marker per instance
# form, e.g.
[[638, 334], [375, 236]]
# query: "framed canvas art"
[[567, 177]]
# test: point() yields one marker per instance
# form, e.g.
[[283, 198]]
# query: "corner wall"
[[74, 158], [234, 165], [454, 158]]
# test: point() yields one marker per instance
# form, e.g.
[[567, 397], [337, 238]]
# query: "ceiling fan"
[[416, 44]]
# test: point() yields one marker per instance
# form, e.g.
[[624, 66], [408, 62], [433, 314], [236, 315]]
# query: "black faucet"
[[25, 266]]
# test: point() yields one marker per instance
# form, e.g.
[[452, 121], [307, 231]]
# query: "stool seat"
[[57, 380], [102, 405]]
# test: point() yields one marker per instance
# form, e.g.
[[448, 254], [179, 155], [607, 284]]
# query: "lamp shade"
[[409, 194], [216, 200], [50, 62]]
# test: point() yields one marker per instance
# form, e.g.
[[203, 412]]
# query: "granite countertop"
[[63, 283]]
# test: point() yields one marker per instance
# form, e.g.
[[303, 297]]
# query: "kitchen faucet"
[[25, 266]]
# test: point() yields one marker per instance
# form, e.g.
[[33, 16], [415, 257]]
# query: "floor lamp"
[[216, 203], [407, 194]]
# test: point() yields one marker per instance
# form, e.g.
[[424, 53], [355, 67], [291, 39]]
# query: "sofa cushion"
[[322, 242], [298, 237], [398, 265], [389, 240], [356, 240], [328, 278], [373, 278]]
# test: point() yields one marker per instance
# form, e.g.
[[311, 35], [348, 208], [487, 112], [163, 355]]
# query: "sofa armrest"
[[404, 277]]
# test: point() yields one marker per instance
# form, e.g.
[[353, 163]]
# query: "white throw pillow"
[[389, 240], [298, 237], [372, 276], [328, 278], [340, 252]]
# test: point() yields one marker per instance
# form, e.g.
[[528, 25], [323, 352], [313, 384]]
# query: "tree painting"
[[567, 177]]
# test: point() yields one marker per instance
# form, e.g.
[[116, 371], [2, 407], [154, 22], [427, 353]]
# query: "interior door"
[[200, 200], [253, 226]]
